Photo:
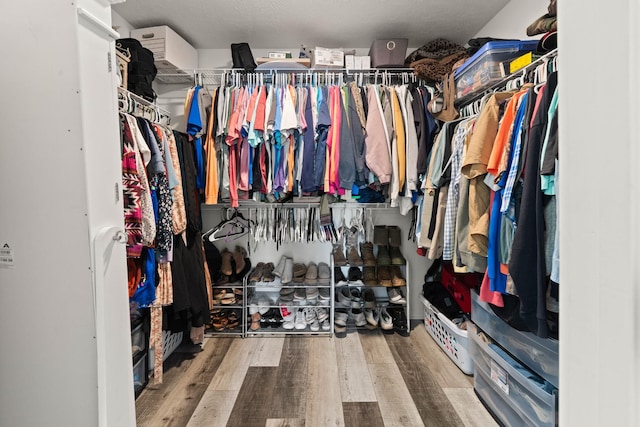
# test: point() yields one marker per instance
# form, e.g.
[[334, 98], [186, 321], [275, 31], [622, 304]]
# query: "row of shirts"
[[305, 139], [490, 197]]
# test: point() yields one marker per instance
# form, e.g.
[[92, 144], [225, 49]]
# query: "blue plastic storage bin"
[[484, 67]]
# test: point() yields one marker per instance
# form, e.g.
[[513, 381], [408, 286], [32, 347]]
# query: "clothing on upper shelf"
[[280, 139]]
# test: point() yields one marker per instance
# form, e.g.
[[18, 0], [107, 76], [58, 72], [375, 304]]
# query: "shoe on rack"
[[256, 274], [396, 276], [353, 256], [355, 276], [399, 320], [280, 268], [300, 323], [395, 296], [324, 273], [299, 272], [373, 317], [338, 256], [395, 236], [300, 296], [326, 325], [384, 258], [286, 314], [386, 322], [267, 272], [312, 293], [288, 324], [368, 259], [287, 273], [340, 318], [369, 276], [338, 277], [344, 296], [396, 256], [358, 317], [314, 325], [356, 298], [255, 321], [309, 314], [384, 276], [380, 235], [324, 294], [369, 298], [311, 278], [322, 314]]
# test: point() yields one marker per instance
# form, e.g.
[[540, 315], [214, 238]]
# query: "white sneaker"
[[314, 325], [321, 314], [372, 317], [326, 325], [289, 324], [300, 322], [309, 314], [386, 322], [286, 314]]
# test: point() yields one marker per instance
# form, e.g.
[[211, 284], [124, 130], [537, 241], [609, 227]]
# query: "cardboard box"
[[323, 57]]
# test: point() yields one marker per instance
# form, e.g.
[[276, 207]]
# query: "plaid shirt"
[[454, 188]]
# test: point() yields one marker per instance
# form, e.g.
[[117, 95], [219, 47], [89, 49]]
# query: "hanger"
[[235, 225]]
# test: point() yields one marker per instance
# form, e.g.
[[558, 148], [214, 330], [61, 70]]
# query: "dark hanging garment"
[[190, 299], [527, 263], [186, 154], [420, 123], [308, 155]]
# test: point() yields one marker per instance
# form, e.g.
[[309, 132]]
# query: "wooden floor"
[[362, 380]]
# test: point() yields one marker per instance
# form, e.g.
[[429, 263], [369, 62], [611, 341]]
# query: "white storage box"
[[388, 52], [170, 51], [453, 340], [323, 57]]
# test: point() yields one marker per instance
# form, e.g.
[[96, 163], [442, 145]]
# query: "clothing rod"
[[508, 78], [219, 72]]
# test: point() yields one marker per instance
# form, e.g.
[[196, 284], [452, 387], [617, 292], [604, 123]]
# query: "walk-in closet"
[[317, 213]]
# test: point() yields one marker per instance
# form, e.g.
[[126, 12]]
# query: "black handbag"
[[242, 57]]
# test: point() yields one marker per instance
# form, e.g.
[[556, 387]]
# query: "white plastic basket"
[[453, 340]]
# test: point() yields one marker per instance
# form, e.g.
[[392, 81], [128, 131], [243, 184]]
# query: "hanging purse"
[[442, 105]]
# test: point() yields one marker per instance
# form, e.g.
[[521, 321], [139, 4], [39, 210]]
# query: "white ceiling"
[[215, 24]]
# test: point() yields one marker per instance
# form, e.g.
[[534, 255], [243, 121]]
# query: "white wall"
[[119, 24], [512, 21], [599, 214]]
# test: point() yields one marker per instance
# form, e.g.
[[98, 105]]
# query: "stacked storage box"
[[515, 373]]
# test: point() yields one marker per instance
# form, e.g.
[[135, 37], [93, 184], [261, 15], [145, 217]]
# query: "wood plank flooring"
[[367, 379]]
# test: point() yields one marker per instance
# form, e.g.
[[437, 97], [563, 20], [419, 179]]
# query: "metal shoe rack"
[[382, 301], [265, 296], [232, 300]]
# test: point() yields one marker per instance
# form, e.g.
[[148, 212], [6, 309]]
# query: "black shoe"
[[400, 324], [355, 276], [338, 277]]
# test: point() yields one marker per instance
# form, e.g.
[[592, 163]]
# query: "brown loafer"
[[267, 272], [257, 273]]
